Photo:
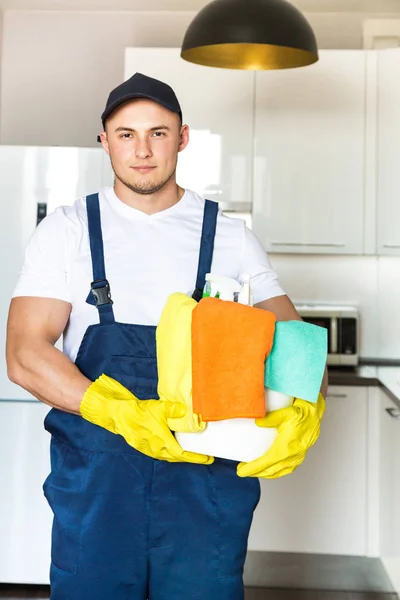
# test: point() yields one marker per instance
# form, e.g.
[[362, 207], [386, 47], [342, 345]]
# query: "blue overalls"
[[126, 526]]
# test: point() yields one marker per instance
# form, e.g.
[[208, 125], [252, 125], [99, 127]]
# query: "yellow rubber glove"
[[143, 423], [174, 361], [298, 429]]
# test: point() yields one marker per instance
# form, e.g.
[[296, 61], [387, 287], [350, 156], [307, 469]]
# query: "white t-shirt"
[[147, 257]]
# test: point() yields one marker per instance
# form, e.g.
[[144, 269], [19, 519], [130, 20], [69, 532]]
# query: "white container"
[[236, 439]]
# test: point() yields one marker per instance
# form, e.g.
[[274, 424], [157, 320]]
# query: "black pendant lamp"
[[250, 34]]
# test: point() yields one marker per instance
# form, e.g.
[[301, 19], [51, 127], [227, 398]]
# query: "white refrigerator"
[[33, 182]]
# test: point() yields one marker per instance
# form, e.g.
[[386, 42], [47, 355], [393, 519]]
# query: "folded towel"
[[230, 343], [174, 360], [297, 360]]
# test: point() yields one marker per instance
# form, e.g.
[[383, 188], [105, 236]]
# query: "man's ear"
[[184, 138], [104, 141]]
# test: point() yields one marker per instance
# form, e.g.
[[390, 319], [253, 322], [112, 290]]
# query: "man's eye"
[[159, 133], [126, 135]]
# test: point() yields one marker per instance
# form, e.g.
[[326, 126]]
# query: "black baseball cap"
[[142, 86]]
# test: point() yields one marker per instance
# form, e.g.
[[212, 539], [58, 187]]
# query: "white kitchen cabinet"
[[388, 152], [389, 480], [308, 191], [384, 479], [25, 517], [321, 507], [218, 106]]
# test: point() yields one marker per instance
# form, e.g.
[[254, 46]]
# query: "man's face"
[[143, 140]]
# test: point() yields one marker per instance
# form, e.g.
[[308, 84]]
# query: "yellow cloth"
[[143, 423], [298, 429], [174, 360]]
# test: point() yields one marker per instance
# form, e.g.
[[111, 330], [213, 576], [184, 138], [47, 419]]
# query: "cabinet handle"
[[393, 412], [391, 246], [333, 245], [336, 396]]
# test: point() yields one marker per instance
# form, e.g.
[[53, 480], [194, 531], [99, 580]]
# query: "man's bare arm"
[[34, 326], [284, 310]]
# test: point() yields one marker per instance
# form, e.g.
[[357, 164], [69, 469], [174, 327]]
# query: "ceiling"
[[369, 6]]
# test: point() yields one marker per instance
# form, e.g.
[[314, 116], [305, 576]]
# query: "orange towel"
[[230, 343]]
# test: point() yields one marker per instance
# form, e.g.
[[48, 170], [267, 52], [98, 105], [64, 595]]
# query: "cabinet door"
[[388, 152], [321, 507], [218, 106], [25, 517], [389, 481], [308, 192]]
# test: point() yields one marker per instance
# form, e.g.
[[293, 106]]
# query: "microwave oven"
[[342, 323]]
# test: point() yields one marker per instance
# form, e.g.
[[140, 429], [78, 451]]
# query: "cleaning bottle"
[[218, 286], [245, 291]]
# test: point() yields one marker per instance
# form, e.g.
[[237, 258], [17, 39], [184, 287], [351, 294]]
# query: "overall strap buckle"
[[101, 292], [197, 294]]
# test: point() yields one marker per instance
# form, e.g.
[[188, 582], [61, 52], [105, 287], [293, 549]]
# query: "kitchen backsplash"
[[370, 283]]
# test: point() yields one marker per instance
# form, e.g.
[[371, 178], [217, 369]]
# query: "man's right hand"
[[142, 423]]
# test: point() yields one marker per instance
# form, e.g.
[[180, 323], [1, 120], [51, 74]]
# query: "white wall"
[[58, 67], [334, 280], [370, 283], [387, 310]]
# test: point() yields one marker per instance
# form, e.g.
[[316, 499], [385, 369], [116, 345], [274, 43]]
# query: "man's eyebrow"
[[131, 130]]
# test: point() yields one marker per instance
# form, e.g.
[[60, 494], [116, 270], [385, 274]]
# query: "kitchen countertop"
[[385, 375]]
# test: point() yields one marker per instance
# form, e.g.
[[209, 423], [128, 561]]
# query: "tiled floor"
[[265, 594], [31, 592], [316, 572]]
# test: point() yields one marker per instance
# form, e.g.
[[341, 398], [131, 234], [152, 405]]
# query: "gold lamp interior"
[[249, 56]]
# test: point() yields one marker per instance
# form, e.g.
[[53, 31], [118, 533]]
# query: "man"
[[126, 525]]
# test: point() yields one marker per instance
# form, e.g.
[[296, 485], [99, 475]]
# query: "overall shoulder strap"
[[100, 294], [206, 246]]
